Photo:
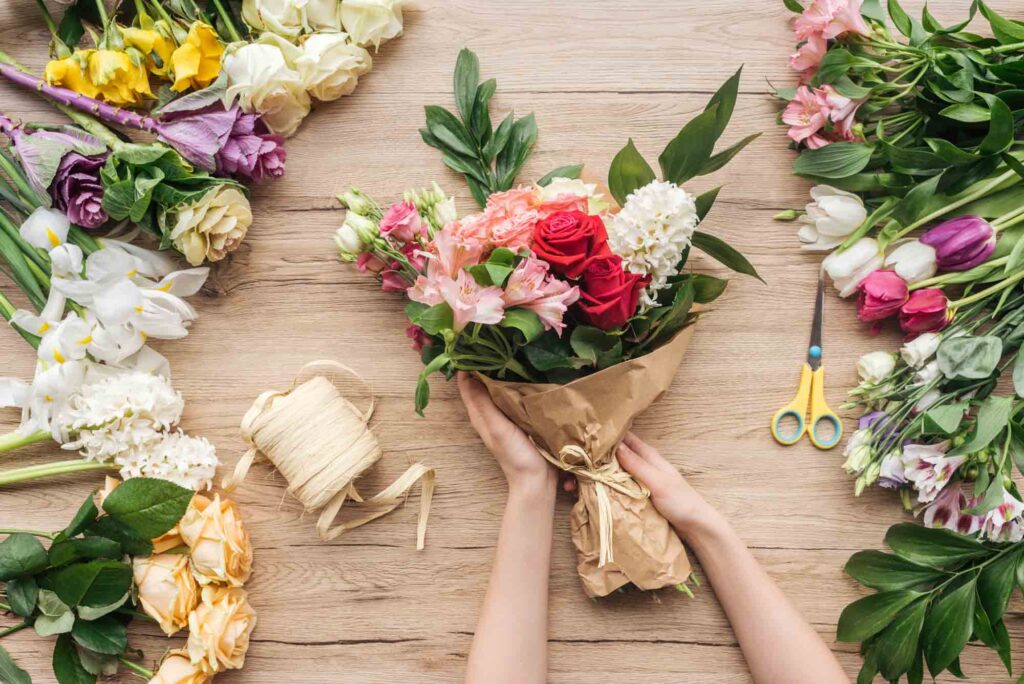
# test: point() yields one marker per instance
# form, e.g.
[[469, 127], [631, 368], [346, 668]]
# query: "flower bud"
[[924, 311], [876, 366], [917, 352], [365, 228], [961, 243], [348, 242], [358, 202], [859, 486], [830, 218], [787, 215], [906, 499], [872, 473]]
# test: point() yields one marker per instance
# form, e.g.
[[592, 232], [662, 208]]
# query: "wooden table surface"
[[369, 607]]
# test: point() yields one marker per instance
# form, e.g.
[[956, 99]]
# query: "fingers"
[[483, 414], [636, 465], [648, 453]]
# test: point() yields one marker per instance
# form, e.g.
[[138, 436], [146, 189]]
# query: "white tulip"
[[372, 22], [831, 218], [876, 366], [913, 261], [850, 266], [331, 64], [45, 228], [262, 76], [919, 350]]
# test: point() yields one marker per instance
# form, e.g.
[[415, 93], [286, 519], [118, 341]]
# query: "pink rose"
[[512, 201], [401, 222]]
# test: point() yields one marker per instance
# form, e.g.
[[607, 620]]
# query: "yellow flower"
[[157, 48], [196, 62], [167, 590], [69, 73], [219, 629], [220, 546], [177, 668], [118, 79]]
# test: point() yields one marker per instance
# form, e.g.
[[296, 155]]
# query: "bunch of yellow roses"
[[119, 70]]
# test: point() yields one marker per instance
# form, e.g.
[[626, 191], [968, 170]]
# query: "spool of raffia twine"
[[322, 443]]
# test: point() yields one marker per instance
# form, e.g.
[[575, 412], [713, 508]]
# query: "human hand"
[[671, 494], [515, 453]]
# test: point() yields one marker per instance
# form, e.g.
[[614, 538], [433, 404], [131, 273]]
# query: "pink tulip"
[[401, 222], [925, 311], [881, 295], [532, 287]]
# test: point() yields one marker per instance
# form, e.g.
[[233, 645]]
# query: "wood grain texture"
[[368, 607]]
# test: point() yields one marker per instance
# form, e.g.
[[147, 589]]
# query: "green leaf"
[[467, 78], [86, 514], [966, 113], [948, 627], [520, 144], [130, 541], [888, 572], [705, 201], [900, 18], [422, 397], [993, 497], [550, 352], [723, 102], [449, 131], [67, 666], [629, 171], [897, 644], [140, 154], [995, 584], [868, 616], [838, 160], [691, 148], [500, 138], [70, 550], [96, 583], [969, 358], [600, 348], [150, 507], [717, 249], [718, 161], [21, 555], [1005, 31], [435, 319], [525, 321], [707, 289], [1018, 372], [992, 419], [944, 420], [571, 171], [481, 123], [11, 673], [793, 6], [917, 202], [106, 635], [1000, 133], [96, 612], [22, 594], [936, 548]]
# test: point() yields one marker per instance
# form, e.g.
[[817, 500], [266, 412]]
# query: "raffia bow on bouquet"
[[573, 313]]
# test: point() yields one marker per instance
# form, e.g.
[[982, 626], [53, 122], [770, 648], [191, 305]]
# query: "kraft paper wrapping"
[[580, 425]]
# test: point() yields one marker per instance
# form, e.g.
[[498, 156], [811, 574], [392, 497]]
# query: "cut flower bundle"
[[906, 134], [145, 549], [574, 315]]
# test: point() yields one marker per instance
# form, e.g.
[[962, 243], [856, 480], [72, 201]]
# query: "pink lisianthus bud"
[[924, 311], [419, 337], [881, 295], [393, 281], [368, 262], [961, 243], [416, 256], [401, 222]]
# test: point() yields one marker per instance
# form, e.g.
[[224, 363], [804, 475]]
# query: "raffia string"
[[575, 460], [321, 443]]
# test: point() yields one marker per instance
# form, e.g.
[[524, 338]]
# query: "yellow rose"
[[219, 629], [196, 62], [157, 48], [118, 78], [177, 668], [221, 550], [212, 226], [70, 73], [167, 590]]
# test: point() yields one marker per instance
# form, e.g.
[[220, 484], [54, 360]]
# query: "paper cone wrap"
[[618, 534]]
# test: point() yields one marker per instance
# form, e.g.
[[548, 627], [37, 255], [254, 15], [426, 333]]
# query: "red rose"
[[608, 294], [567, 239]]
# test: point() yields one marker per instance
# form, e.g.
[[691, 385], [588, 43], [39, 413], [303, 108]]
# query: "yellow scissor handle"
[[810, 395]]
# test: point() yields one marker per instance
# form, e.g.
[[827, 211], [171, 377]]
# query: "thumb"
[[634, 464]]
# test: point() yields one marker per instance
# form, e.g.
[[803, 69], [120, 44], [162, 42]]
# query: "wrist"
[[704, 529], [534, 488]]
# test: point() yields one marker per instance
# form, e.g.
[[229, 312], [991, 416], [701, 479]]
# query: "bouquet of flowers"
[[179, 557], [906, 135], [574, 315]]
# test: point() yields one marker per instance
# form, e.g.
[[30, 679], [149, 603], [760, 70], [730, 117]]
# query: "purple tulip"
[[961, 243], [78, 191], [252, 151]]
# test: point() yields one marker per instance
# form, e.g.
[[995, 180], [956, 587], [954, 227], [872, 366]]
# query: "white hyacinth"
[[189, 462], [652, 230]]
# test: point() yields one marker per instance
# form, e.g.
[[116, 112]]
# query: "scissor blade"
[[814, 360]]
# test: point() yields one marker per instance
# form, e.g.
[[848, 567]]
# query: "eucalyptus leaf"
[[969, 358]]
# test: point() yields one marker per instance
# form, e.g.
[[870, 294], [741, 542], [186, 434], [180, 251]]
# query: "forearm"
[[510, 644], [779, 645]]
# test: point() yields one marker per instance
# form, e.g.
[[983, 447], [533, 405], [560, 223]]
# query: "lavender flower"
[[961, 243], [252, 151], [78, 191]]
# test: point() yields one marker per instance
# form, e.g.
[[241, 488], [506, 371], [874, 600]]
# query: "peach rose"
[[219, 629], [177, 668], [221, 551], [167, 590]]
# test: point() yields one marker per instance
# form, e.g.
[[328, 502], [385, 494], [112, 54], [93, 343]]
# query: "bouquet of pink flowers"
[[575, 315]]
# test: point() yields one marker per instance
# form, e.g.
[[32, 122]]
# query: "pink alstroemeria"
[[532, 287], [470, 301], [808, 56], [450, 255], [831, 19], [929, 468], [1003, 523], [947, 511], [807, 114], [842, 112]]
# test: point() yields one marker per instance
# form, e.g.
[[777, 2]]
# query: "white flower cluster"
[[189, 462], [308, 50], [651, 231]]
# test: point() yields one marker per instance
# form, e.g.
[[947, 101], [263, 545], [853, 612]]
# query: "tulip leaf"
[[629, 171], [1000, 132], [838, 160], [717, 249], [966, 112]]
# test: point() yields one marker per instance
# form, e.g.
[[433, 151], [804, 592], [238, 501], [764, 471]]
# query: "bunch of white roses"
[[307, 50]]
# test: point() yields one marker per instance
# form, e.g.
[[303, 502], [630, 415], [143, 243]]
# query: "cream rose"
[[221, 550], [167, 590], [211, 227], [289, 18], [219, 629], [177, 668], [263, 78], [323, 15], [372, 22], [331, 64]]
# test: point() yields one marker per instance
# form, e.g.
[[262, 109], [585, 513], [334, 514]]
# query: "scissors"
[[811, 395]]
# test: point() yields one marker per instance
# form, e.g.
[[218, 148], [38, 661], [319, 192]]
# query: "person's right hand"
[[671, 494]]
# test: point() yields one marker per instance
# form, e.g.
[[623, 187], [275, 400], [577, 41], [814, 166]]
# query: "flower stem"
[[958, 276], [225, 16], [17, 475], [978, 296], [34, 533], [11, 630], [982, 192], [1011, 47], [16, 440], [136, 668]]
